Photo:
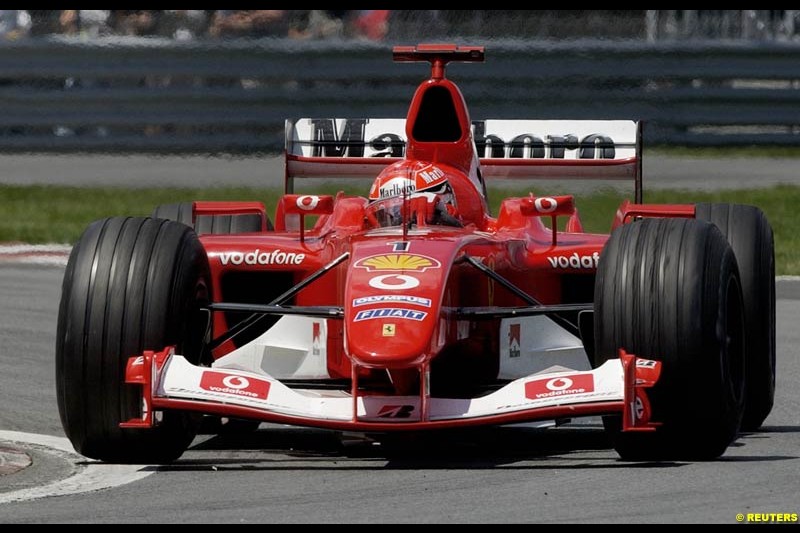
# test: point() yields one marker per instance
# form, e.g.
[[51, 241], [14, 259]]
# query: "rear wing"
[[528, 149]]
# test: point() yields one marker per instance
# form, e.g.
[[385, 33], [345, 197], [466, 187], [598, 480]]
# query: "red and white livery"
[[416, 308]]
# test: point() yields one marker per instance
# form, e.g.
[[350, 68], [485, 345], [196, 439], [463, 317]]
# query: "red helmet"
[[423, 186]]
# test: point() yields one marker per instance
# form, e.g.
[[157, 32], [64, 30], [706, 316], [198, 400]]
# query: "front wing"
[[169, 381]]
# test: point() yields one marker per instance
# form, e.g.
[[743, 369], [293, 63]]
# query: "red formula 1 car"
[[415, 308]]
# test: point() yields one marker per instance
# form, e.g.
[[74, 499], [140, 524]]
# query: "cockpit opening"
[[437, 120]]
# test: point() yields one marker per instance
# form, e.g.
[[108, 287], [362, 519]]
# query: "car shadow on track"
[[490, 441], [290, 448], [776, 429], [573, 446]]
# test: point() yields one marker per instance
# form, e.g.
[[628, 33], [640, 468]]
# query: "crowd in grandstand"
[[191, 24], [378, 25]]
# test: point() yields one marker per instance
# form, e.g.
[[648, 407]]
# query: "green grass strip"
[[50, 214]]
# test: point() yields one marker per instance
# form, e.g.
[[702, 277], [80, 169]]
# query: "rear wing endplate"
[[511, 149]]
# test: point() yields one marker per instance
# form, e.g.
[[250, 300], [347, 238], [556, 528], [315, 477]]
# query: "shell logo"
[[398, 262]]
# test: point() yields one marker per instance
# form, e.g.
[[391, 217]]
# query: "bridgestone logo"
[[257, 257]]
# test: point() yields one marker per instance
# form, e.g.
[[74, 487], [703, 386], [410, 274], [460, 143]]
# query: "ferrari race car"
[[414, 308]]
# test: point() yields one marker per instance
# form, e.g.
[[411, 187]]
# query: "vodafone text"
[[257, 257], [575, 261]]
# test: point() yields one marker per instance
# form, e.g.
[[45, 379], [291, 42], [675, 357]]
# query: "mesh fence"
[[660, 24]]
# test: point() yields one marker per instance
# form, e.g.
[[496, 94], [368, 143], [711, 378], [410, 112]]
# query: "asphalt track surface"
[[289, 475], [281, 474]]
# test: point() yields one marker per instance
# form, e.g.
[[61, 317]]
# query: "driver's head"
[[422, 187]]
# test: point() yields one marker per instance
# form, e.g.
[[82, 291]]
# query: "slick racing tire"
[[215, 224], [750, 235], [669, 290], [131, 284]]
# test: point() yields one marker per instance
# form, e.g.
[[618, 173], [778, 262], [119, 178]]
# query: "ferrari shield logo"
[[389, 330]]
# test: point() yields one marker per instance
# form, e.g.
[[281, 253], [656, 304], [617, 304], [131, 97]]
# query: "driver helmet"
[[418, 184]]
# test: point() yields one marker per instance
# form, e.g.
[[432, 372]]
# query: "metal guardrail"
[[152, 95]]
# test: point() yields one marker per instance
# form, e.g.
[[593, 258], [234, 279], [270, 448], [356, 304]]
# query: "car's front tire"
[[131, 284], [669, 290]]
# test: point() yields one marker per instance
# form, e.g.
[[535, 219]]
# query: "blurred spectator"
[[369, 24], [93, 22], [320, 24], [185, 24], [372, 24], [69, 22], [139, 23], [45, 22], [325, 24], [249, 23], [89, 23], [14, 23]]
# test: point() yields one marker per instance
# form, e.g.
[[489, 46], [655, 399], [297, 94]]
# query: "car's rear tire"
[[750, 235], [668, 290], [215, 224], [131, 284]]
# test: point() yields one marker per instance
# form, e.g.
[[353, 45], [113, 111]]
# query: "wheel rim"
[[734, 348]]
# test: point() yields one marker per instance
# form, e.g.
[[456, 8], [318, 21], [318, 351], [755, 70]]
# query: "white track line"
[[36, 260], [89, 476], [38, 254], [21, 248]]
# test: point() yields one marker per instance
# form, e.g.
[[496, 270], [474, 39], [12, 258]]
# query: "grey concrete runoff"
[[660, 171]]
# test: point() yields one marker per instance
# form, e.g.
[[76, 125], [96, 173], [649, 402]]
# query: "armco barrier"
[[154, 95]]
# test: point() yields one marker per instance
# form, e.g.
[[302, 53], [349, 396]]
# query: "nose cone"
[[392, 306]]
